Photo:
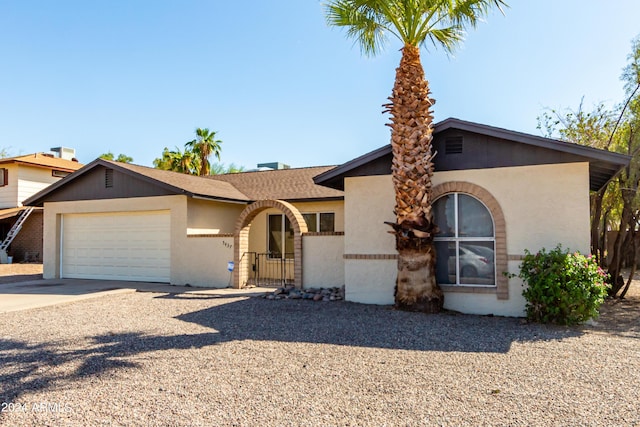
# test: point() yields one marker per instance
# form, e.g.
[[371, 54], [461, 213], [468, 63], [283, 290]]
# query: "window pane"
[[444, 216], [288, 238], [474, 220], [477, 263], [275, 236], [311, 220], [327, 222], [445, 262]]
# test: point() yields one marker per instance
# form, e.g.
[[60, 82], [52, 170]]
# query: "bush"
[[563, 288]]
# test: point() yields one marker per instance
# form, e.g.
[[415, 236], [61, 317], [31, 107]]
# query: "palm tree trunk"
[[412, 170]]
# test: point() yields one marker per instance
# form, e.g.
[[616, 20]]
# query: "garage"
[[131, 246]]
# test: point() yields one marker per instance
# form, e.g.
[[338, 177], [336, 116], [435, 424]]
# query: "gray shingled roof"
[[192, 184], [283, 184]]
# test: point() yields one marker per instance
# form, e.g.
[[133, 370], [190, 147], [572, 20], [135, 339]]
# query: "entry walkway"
[[45, 292]]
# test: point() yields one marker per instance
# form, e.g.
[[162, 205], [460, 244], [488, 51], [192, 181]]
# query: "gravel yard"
[[157, 359]]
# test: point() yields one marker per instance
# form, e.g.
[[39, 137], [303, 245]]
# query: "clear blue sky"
[[275, 82]]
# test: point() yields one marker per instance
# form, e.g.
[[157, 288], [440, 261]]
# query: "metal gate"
[[267, 270]]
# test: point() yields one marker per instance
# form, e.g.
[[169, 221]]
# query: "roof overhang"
[[603, 165]]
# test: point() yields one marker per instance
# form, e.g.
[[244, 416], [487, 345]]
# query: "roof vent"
[[108, 178], [453, 145]]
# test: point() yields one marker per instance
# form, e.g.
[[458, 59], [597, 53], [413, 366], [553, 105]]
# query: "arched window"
[[465, 244]]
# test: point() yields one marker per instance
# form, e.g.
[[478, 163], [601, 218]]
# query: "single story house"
[[497, 193]]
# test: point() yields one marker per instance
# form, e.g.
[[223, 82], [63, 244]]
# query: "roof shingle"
[[283, 184]]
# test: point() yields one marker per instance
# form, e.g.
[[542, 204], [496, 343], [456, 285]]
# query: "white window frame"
[[317, 214], [458, 239]]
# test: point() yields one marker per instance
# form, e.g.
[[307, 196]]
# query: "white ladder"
[[13, 233]]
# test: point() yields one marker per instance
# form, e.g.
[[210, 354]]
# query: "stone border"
[[370, 256], [190, 236], [324, 233]]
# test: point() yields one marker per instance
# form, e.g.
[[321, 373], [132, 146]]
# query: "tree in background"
[[617, 205], [178, 161], [122, 158], [204, 146], [413, 22], [221, 168]]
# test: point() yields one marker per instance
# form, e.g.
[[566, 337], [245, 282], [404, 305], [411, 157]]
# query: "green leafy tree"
[[221, 168], [122, 158], [178, 161], [414, 23], [204, 146], [617, 205]]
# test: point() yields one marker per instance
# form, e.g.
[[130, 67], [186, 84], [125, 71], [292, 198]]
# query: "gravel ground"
[[154, 359]]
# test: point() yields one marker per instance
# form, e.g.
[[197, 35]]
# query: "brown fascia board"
[[538, 141], [352, 164], [36, 199], [590, 153]]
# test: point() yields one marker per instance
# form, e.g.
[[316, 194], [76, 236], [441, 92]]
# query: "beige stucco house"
[[496, 193]]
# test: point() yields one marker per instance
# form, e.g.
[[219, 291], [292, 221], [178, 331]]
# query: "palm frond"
[[442, 22], [364, 23]]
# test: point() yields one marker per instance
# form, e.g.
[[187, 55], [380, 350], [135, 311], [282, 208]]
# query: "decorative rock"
[[316, 294]]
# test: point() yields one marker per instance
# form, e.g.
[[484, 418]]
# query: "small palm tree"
[[413, 22], [203, 147]]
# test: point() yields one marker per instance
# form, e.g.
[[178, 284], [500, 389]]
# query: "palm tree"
[[203, 147], [178, 161], [414, 22]]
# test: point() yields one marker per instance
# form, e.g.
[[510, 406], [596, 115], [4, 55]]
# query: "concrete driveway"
[[44, 292]]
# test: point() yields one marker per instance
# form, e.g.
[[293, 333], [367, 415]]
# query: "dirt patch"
[[11, 273], [622, 316]]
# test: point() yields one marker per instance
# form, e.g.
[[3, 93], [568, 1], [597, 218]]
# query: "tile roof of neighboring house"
[[45, 161], [284, 184]]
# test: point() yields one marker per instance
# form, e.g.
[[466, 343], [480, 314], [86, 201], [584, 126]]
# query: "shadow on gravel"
[[27, 368], [343, 323]]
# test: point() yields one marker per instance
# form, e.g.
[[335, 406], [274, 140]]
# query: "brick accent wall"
[[241, 238], [501, 258], [27, 246]]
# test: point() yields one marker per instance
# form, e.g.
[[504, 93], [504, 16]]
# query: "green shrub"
[[562, 287]]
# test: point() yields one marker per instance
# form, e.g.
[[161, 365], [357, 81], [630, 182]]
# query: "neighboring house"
[[20, 178], [496, 193]]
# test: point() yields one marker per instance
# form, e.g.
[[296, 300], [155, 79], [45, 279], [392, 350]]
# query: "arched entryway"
[[241, 238]]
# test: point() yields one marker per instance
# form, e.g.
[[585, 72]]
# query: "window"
[[280, 231], [4, 177], [324, 221], [280, 237], [59, 174], [465, 243]]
